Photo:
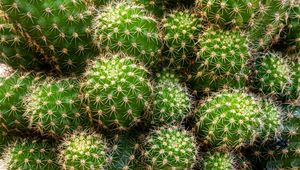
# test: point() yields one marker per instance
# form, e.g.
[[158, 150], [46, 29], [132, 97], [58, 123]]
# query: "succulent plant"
[[53, 107], [293, 34], [181, 29], [156, 7], [32, 154], [218, 161], [60, 30], [221, 61], [170, 147], [271, 74], [116, 90], [171, 102], [13, 89], [171, 4], [126, 27], [83, 150], [293, 91]]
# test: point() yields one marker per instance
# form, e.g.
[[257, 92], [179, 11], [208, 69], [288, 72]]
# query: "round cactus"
[[53, 107], [170, 147], [181, 29], [231, 12], [218, 161], [155, 7], [228, 119], [83, 150], [221, 61], [271, 74], [116, 90], [293, 91], [171, 102], [60, 30], [32, 154], [293, 34], [13, 89], [126, 27]]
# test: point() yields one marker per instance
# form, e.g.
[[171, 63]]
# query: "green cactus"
[[126, 27], [171, 102], [155, 7], [32, 154], [271, 74], [61, 30], [101, 2], [230, 119], [5, 140], [218, 161], [53, 107], [231, 12], [221, 61], [13, 89], [83, 150], [293, 91], [181, 29], [14, 51], [171, 4], [116, 90], [293, 34], [170, 147]]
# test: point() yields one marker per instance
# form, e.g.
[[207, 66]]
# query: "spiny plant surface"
[[218, 161], [116, 90], [53, 107], [13, 89], [83, 150], [126, 27], [171, 102], [170, 147], [155, 7], [221, 61], [293, 91], [61, 30], [271, 74], [29, 154], [181, 29], [293, 34]]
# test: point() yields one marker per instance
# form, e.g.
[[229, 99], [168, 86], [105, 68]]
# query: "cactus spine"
[[218, 161]]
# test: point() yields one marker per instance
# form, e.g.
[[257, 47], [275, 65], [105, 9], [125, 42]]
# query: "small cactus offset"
[[60, 30], [221, 61], [116, 90], [126, 27], [171, 102], [32, 154], [53, 107], [181, 29], [83, 150], [13, 89], [170, 147], [218, 161], [271, 74]]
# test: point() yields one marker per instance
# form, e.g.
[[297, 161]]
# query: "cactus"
[[293, 91], [181, 28], [83, 150], [60, 30], [293, 34], [53, 107], [271, 74], [230, 119], [126, 27], [155, 7], [14, 51], [171, 102], [116, 90], [5, 140], [13, 89], [170, 147], [171, 4], [221, 61], [218, 161], [32, 154], [232, 12]]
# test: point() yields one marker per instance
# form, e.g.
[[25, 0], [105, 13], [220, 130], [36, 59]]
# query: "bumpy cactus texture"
[[32, 154], [12, 92], [293, 91], [231, 12], [171, 102], [53, 107], [221, 61], [83, 150], [60, 30], [228, 119], [170, 148], [293, 34], [218, 161], [155, 7], [181, 29], [271, 74], [126, 27], [116, 90]]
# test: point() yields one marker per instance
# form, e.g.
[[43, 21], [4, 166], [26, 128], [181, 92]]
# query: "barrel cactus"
[[116, 91], [126, 27]]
